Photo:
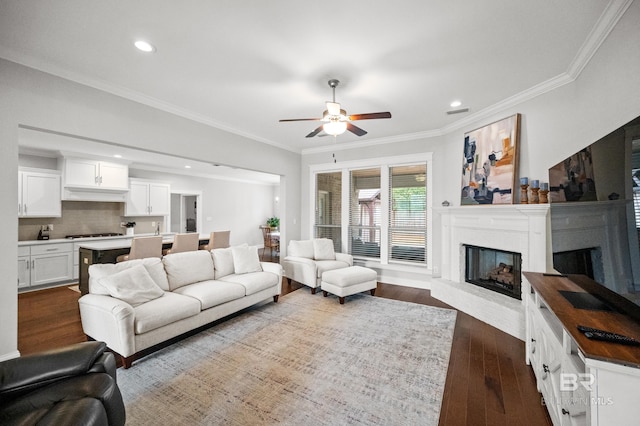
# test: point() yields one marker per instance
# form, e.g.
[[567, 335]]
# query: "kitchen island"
[[107, 251]]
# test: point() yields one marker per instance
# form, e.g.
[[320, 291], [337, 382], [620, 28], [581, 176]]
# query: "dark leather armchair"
[[73, 385]]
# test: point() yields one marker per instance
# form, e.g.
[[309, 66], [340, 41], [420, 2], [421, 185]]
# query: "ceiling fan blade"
[[300, 119], [355, 129], [370, 116], [315, 132]]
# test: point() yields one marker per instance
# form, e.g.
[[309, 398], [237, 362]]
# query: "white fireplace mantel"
[[519, 228]]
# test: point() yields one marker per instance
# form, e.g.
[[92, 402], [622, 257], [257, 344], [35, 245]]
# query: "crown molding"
[[132, 95], [373, 142], [599, 33]]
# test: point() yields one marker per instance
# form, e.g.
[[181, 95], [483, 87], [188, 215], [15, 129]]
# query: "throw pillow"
[[303, 248], [323, 249], [245, 259], [222, 261], [133, 285], [188, 267]]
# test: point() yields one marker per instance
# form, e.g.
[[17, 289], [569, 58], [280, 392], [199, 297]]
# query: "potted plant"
[[129, 226], [273, 222]]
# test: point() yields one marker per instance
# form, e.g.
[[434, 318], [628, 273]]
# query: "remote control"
[[607, 336]]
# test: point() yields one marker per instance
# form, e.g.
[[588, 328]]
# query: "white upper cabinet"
[[39, 194], [147, 198], [93, 174]]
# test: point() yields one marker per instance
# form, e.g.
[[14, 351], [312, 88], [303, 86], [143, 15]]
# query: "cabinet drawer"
[[51, 248], [24, 250]]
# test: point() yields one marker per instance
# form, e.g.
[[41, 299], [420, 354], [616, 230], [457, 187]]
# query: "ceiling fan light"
[[335, 128]]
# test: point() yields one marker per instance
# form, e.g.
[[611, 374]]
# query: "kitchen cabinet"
[[42, 264], [93, 174], [39, 194], [148, 198]]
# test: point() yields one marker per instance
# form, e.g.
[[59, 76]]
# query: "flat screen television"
[[595, 212]]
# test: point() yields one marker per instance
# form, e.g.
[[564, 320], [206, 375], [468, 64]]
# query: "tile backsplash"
[[86, 217]]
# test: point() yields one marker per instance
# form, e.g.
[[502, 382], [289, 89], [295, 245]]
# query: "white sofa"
[[136, 305], [307, 259]]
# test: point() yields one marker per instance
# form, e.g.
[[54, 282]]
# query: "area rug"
[[306, 360]]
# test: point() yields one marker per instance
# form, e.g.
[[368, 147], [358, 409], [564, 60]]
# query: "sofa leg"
[[325, 293], [313, 290], [342, 300], [127, 361], [372, 291], [275, 298]]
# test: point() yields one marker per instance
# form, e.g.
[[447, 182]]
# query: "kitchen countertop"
[[167, 237], [118, 243]]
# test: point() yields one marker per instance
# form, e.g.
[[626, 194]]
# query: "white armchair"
[[307, 259]]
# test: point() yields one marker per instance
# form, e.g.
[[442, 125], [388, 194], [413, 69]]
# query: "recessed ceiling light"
[[455, 104], [144, 46], [187, 167], [117, 156]]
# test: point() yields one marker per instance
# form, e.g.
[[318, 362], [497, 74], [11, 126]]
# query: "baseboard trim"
[[10, 355]]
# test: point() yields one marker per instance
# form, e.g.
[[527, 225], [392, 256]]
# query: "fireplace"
[[586, 261], [496, 270], [516, 228]]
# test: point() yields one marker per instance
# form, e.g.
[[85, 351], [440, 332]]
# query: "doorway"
[[186, 212]]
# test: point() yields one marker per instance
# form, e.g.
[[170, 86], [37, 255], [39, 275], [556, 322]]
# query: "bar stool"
[[142, 247], [217, 239], [183, 242]]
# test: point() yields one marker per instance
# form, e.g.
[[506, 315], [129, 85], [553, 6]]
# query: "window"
[[408, 213], [364, 213], [376, 209], [329, 208]]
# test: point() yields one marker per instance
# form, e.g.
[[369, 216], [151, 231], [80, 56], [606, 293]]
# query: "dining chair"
[[217, 239], [271, 242], [143, 247], [183, 242]]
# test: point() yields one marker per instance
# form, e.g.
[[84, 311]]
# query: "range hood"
[[84, 194]]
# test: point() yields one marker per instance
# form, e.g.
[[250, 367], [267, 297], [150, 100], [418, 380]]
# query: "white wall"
[[30, 97], [240, 207]]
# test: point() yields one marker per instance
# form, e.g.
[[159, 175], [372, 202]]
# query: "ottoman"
[[347, 281]]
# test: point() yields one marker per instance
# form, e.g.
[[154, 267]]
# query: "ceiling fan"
[[336, 120]]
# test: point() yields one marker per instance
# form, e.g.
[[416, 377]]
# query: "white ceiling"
[[242, 66]]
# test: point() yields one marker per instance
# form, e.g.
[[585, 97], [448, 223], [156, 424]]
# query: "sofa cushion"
[[212, 293], [132, 285], [253, 282], [302, 248], [154, 267], [164, 310], [245, 259], [188, 267], [323, 249], [222, 262], [329, 265]]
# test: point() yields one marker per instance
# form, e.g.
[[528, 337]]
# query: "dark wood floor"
[[488, 382]]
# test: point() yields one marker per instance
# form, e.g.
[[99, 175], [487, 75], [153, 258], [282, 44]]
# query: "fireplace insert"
[[496, 270]]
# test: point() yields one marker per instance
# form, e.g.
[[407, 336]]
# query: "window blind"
[[329, 208], [408, 213], [364, 213]]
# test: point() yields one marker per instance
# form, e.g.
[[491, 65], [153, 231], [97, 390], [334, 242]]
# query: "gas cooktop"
[[98, 234]]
